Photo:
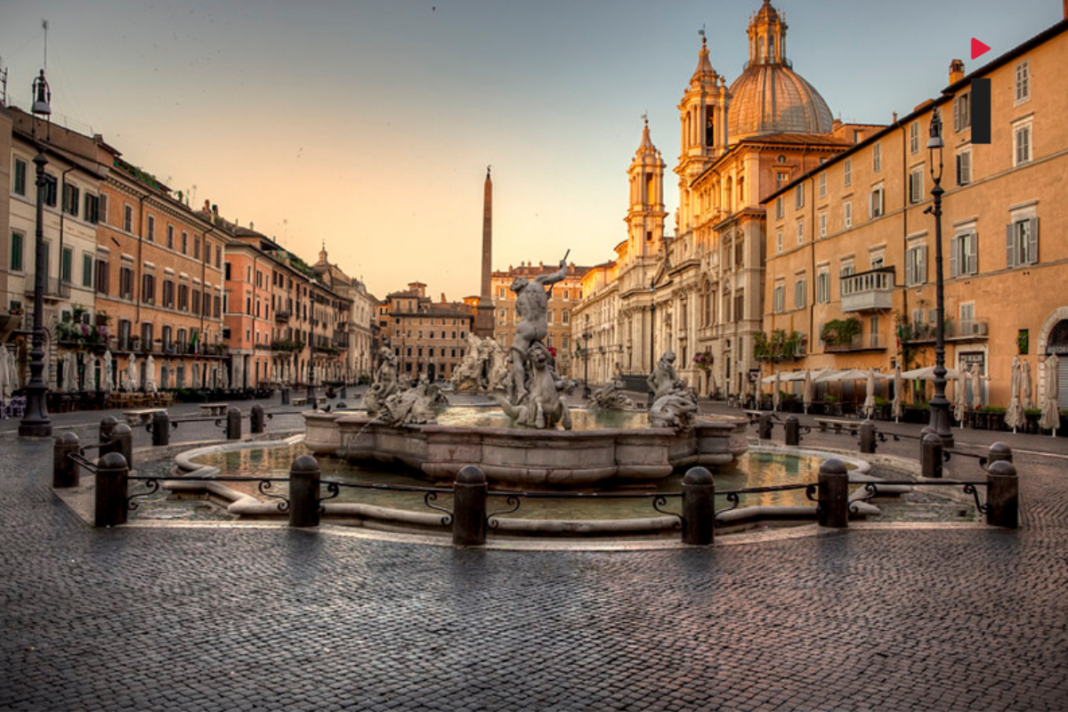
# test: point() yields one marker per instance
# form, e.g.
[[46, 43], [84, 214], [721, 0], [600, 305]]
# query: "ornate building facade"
[[700, 291], [428, 338]]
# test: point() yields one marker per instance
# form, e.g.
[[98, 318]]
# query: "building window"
[[103, 208], [151, 228], [196, 247], [87, 270], [823, 287], [964, 255], [800, 232], [196, 301], [877, 158], [914, 137], [146, 336], [148, 288], [916, 265], [183, 297], [170, 237], [823, 225], [185, 242], [847, 172], [50, 188], [847, 214], [20, 177], [71, 198], [226, 271], [778, 241], [779, 208], [964, 167], [66, 265], [822, 182], [1021, 136], [165, 338], [779, 299], [799, 196], [800, 293], [1021, 241], [916, 186], [92, 208], [962, 112], [1023, 82], [875, 203], [17, 249], [781, 177], [125, 282], [168, 293], [103, 276], [127, 217]]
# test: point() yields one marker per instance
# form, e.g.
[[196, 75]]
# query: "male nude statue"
[[531, 304]]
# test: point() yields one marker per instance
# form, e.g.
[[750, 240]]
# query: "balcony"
[[282, 317], [955, 331], [868, 291], [860, 342], [54, 288]]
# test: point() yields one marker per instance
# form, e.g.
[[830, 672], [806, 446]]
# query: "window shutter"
[[1032, 241], [956, 114], [921, 268], [1010, 247], [973, 256], [966, 164], [954, 248], [910, 273]]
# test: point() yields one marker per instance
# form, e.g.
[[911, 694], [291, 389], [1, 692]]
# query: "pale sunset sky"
[[369, 125]]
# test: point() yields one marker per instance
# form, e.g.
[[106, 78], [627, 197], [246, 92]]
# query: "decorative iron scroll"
[[970, 489], [429, 500], [734, 500], [661, 501], [334, 490], [265, 485], [512, 501], [151, 487]]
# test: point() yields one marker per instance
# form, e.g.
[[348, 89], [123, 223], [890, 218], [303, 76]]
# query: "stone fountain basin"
[[514, 458]]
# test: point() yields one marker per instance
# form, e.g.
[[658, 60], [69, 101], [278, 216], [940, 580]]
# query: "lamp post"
[[36, 423], [939, 403], [311, 345], [586, 360], [652, 333]]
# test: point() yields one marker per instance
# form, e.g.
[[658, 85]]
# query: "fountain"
[[535, 439]]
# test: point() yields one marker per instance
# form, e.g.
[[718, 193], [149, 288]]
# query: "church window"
[[710, 127]]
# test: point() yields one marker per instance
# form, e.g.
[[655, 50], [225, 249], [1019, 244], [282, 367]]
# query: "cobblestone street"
[[242, 618]]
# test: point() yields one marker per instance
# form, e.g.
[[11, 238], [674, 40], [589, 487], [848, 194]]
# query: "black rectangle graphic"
[[980, 111]]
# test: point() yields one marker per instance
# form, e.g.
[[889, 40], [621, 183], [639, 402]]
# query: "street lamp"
[[36, 423], [311, 345], [586, 360], [939, 403]]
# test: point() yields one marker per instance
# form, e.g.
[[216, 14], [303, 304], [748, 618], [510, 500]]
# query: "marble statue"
[[385, 383], [414, 406], [664, 377], [531, 304], [676, 409], [610, 396], [541, 406]]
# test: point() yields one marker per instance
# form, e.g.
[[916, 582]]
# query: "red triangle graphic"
[[978, 48]]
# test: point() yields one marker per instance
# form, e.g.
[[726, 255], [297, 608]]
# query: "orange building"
[[429, 338]]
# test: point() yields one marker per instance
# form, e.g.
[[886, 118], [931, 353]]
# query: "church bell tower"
[[645, 216]]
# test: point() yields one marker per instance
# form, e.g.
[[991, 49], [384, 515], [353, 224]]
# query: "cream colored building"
[[868, 250], [700, 291], [357, 339]]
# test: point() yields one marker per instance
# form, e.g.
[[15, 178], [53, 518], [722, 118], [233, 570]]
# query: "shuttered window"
[[916, 265], [964, 255], [964, 168], [1021, 242]]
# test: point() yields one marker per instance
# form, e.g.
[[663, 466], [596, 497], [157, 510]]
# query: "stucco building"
[[355, 335], [429, 338], [854, 275]]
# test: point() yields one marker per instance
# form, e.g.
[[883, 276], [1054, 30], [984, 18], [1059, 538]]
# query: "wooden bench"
[[851, 426], [142, 415], [214, 408]]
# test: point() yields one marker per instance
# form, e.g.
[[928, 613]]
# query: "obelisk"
[[484, 316]]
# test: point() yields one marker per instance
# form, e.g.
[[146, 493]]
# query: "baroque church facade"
[[699, 292]]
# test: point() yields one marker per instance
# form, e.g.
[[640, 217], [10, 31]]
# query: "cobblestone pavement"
[[243, 619]]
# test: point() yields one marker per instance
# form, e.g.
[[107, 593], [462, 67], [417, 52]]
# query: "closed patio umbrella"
[[1014, 415], [808, 392], [897, 408], [70, 373], [775, 392], [150, 374], [196, 375], [1051, 412], [1026, 386], [977, 386], [960, 403], [869, 398], [927, 374], [6, 376], [106, 382], [131, 374]]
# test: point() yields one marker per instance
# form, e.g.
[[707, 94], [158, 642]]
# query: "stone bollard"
[[122, 439], [258, 419], [313, 403], [867, 436], [999, 451], [833, 494], [65, 471], [469, 507], [931, 456], [107, 425], [344, 393], [285, 396], [1002, 495], [698, 507], [793, 430], [764, 426], [111, 503], [233, 424], [304, 492], [161, 429]]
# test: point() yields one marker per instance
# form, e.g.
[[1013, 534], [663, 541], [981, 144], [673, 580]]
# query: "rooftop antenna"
[[44, 26], [702, 32]]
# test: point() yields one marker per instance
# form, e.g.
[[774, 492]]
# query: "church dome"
[[770, 97]]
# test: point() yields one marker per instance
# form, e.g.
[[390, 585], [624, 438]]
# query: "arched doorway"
[[1057, 343]]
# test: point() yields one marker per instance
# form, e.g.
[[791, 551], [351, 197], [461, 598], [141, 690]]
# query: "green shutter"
[[1010, 246], [1032, 241], [16, 252]]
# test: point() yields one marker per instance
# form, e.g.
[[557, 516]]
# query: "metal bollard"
[[111, 504], [122, 439], [304, 492], [764, 426], [161, 429], [107, 425], [233, 424], [793, 430], [833, 510], [469, 507], [65, 471], [313, 403], [999, 451], [867, 436], [285, 396], [258, 420], [1002, 495], [931, 456], [698, 507]]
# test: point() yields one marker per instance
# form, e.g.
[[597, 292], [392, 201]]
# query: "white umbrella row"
[[9, 374]]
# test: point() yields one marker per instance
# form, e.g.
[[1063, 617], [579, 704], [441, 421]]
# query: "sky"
[[368, 126]]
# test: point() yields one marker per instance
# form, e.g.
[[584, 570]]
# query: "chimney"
[[215, 209], [956, 71], [895, 117], [207, 205], [443, 297]]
